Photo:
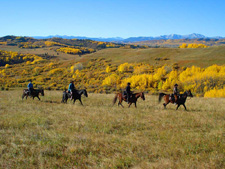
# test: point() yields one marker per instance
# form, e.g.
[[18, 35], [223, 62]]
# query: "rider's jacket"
[[30, 86], [128, 90], [175, 91], [71, 87]]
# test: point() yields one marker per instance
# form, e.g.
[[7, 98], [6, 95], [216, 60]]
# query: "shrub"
[[215, 93]]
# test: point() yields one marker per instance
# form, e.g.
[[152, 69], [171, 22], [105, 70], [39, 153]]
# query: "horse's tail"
[[23, 95], [161, 96], [115, 98], [63, 97]]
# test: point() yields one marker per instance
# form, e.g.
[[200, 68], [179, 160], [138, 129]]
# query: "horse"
[[133, 98], [34, 94], [180, 100], [76, 95]]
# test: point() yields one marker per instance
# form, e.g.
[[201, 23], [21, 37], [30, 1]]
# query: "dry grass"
[[41, 51], [202, 57], [184, 57], [48, 134]]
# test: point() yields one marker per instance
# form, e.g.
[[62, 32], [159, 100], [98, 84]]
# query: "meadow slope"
[[48, 134], [202, 57]]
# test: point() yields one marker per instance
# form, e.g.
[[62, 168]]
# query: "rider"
[[176, 92], [30, 87], [128, 92], [71, 89]]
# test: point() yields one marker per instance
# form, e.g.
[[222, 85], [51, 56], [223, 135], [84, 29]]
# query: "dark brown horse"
[[34, 94], [76, 96], [133, 98], [180, 100]]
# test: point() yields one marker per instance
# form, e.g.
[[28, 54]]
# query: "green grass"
[[48, 134]]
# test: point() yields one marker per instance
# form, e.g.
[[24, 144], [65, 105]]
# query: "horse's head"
[[42, 92], [85, 92], [142, 96], [189, 93]]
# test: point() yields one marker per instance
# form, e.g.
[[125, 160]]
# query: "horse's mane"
[[80, 91]]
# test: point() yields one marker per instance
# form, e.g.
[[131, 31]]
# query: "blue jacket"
[[71, 87], [30, 85]]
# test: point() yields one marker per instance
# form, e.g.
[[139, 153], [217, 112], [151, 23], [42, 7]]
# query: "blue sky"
[[112, 18]]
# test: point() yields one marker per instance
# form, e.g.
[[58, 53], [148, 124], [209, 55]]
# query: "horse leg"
[[167, 101], [38, 98], [164, 104], [135, 104], [129, 105], [26, 97], [184, 106], [23, 96], [178, 106], [120, 103], [74, 101], [81, 102]]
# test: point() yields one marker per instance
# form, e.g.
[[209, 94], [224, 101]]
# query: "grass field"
[[40, 51], [202, 57], [48, 134]]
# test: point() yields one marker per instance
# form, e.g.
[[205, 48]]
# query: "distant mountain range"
[[132, 39]]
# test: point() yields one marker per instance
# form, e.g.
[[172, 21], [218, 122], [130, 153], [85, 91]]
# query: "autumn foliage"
[[193, 45], [99, 75]]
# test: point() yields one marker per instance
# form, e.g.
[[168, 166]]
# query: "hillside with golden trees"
[[197, 67], [101, 76]]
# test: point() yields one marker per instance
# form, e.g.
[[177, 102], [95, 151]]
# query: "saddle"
[[124, 94], [174, 99], [26, 91]]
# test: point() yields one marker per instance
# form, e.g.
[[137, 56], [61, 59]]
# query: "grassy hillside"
[[178, 42], [159, 56], [202, 57], [48, 134], [155, 56], [40, 51]]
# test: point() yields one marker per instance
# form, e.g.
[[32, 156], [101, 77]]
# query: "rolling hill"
[[160, 56], [202, 57]]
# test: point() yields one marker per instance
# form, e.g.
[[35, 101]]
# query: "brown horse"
[[179, 100], [133, 98]]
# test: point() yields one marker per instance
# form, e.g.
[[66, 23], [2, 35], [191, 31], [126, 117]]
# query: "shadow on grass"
[[51, 101]]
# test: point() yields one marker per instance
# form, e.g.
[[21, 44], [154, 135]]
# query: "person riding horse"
[[30, 88], [128, 92], [175, 94], [71, 89]]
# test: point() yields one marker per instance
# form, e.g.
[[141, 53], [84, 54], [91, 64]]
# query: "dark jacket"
[[175, 91], [128, 90]]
